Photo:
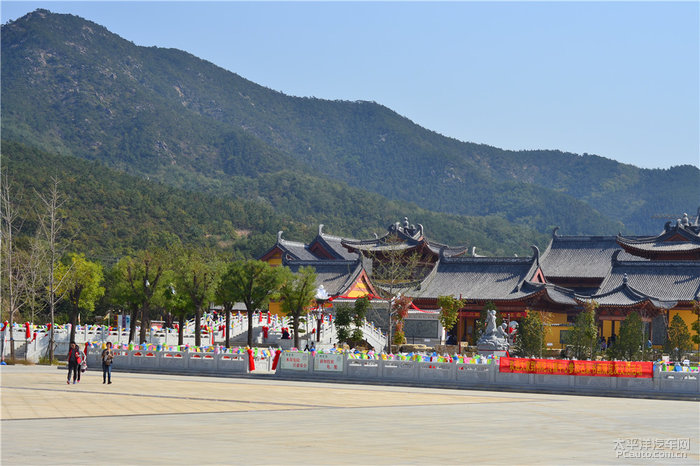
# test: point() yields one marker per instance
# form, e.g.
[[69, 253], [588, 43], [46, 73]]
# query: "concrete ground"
[[169, 419]]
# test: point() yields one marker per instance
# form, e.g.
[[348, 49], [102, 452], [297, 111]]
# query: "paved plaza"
[[169, 419]]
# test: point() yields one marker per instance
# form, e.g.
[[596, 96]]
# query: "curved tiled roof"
[[557, 294], [335, 276], [479, 278], [681, 241], [663, 280], [581, 256], [297, 251], [333, 244], [625, 295]]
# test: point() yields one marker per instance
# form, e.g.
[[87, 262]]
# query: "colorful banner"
[[587, 368]]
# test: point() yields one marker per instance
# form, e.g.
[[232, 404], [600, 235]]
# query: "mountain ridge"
[[195, 125]]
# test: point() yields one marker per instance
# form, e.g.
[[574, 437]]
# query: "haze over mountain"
[[71, 87]]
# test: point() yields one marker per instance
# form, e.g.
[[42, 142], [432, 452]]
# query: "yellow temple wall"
[[688, 317], [552, 334]]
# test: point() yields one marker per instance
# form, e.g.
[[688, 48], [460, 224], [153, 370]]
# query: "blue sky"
[[617, 79]]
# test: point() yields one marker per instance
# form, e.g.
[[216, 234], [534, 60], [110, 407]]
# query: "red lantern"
[[27, 331]]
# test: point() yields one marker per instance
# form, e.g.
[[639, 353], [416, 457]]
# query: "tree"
[[33, 266], [630, 341], [583, 337], [138, 286], [393, 269], [80, 282], [51, 224], [179, 306], [342, 322], [346, 316], [251, 282], [678, 341], [196, 272], [9, 225], [297, 294], [360, 313], [449, 310], [530, 340], [225, 295], [400, 306]]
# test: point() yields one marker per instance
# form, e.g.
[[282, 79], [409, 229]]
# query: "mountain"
[[110, 213], [69, 86]]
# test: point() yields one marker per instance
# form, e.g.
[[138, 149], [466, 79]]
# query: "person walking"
[[107, 358], [73, 362]]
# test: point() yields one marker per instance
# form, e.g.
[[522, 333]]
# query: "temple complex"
[[656, 276]]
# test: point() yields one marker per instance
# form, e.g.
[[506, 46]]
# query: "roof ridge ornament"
[[320, 229], [614, 256], [554, 232], [536, 254], [279, 236], [684, 221], [624, 279], [407, 229]]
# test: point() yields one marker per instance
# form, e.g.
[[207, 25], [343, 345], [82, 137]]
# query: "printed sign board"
[[294, 361], [329, 362]]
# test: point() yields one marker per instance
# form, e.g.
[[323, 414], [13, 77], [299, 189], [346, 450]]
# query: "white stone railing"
[[476, 375], [179, 361]]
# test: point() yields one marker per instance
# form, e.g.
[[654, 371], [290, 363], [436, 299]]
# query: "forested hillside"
[[71, 87], [109, 213]]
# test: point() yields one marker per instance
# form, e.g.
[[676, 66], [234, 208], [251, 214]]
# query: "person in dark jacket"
[[74, 362], [107, 358]]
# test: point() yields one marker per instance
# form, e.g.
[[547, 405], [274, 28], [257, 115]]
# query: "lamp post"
[[321, 297]]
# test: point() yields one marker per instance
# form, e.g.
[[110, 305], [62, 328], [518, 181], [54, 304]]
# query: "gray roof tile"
[[581, 256], [477, 278], [678, 280], [335, 276]]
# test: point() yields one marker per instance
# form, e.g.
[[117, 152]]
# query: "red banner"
[[587, 368], [503, 314]]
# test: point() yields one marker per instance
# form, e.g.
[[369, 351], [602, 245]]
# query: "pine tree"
[[678, 341], [530, 339], [630, 341], [583, 337]]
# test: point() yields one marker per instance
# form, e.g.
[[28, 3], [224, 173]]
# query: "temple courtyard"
[[170, 419]]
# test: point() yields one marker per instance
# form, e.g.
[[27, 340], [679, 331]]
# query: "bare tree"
[[32, 269], [394, 268], [10, 224], [51, 224]]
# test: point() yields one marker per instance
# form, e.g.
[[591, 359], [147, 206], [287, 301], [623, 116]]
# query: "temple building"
[[657, 276], [341, 272]]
